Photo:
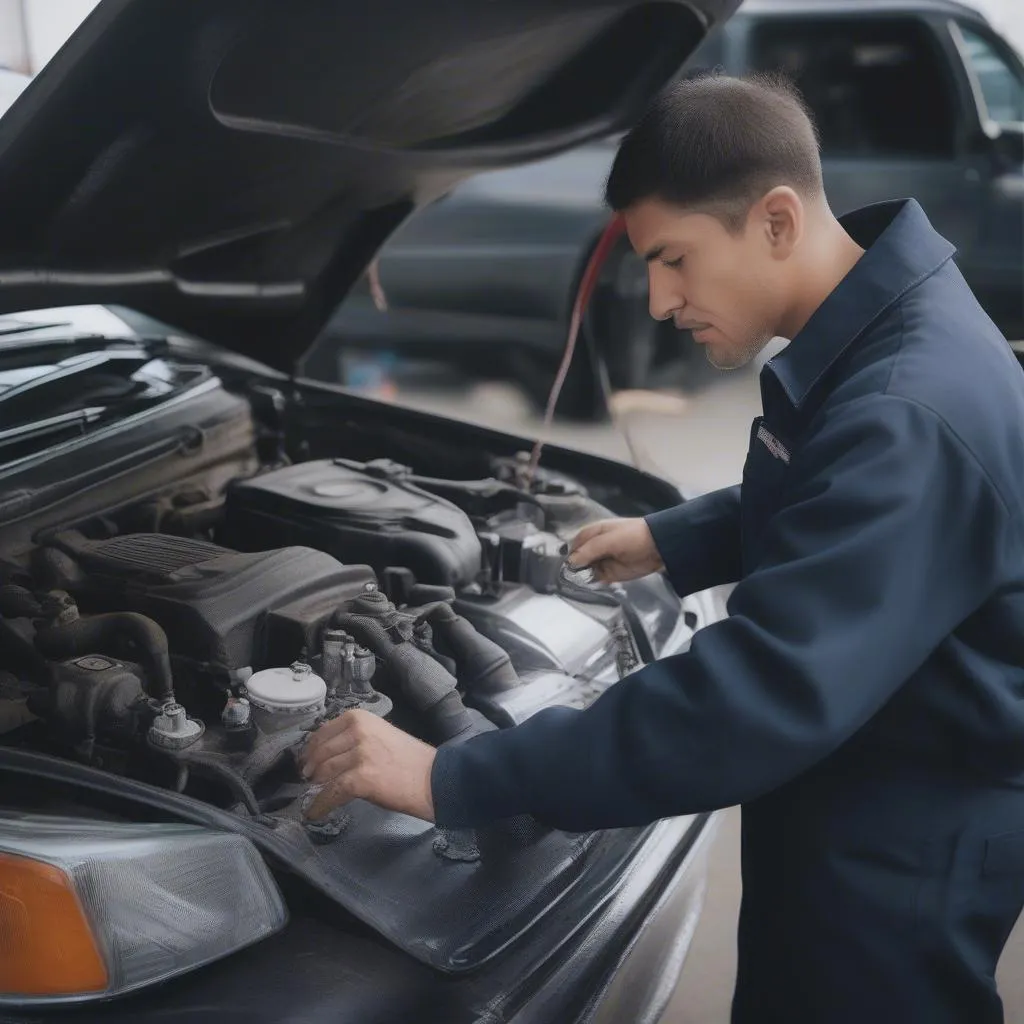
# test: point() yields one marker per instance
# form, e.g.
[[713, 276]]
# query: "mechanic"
[[863, 701]]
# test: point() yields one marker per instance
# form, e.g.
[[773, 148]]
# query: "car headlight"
[[90, 910]]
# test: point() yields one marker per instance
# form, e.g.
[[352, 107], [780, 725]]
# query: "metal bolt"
[[457, 844], [334, 646]]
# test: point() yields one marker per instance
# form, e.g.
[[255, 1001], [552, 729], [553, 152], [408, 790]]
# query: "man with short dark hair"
[[863, 701]]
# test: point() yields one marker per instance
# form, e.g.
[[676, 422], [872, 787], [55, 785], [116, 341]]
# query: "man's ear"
[[782, 221]]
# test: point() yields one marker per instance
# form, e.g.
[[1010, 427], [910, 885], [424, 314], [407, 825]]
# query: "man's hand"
[[617, 550], [360, 756]]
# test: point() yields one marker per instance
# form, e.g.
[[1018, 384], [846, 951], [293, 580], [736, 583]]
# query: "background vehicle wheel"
[[617, 333], [582, 397], [621, 338]]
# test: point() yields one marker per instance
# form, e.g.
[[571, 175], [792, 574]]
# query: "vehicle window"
[[1000, 84], [877, 87], [709, 56]]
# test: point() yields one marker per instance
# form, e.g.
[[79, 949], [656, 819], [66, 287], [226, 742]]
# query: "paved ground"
[[701, 445]]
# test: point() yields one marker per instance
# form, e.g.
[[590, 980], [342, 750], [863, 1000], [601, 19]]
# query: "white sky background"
[[48, 23]]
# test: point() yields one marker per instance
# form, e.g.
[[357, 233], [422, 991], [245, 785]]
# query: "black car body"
[[187, 192], [912, 97]]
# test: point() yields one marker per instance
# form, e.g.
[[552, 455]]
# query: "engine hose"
[[55, 569], [423, 638], [18, 603], [425, 684], [99, 634], [484, 666], [269, 752], [429, 593], [210, 765]]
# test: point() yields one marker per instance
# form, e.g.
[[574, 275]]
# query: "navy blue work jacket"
[[878, 544]]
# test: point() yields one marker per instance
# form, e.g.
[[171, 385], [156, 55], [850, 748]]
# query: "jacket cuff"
[[451, 800], [474, 783], [699, 541]]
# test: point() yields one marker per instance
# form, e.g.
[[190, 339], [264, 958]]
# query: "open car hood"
[[231, 166]]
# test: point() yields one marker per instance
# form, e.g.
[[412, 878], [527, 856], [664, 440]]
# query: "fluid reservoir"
[[295, 690]]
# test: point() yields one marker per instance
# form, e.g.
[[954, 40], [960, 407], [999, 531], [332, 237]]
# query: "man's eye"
[[673, 264]]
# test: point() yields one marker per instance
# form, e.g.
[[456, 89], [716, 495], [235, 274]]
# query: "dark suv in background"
[[912, 97]]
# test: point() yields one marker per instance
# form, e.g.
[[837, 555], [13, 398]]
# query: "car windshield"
[[54, 391]]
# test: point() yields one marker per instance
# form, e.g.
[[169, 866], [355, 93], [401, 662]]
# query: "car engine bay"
[[191, 635]]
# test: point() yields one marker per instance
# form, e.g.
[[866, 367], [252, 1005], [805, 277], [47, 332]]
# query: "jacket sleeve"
[[888, 536], [699, 541]]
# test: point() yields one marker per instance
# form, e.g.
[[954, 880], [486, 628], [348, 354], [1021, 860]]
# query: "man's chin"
[[732, 357], [727, 360]]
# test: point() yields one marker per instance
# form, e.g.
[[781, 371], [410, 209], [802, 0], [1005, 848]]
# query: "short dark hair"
[[717, 144]]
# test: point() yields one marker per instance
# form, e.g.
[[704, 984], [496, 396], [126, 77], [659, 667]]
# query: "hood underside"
[[231, 166]]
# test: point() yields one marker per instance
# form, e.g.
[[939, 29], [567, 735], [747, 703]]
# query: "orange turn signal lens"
[[92, 910], [46, 945]]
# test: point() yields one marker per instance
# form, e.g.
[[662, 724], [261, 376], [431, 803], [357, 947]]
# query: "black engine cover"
[[357, 515], [217, 606]]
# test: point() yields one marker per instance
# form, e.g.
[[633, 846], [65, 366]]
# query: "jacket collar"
[[902, 249]]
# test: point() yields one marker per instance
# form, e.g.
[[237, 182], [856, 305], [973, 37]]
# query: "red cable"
[[613, 231]]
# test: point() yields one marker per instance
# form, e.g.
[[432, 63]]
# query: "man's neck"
[[824, 265]]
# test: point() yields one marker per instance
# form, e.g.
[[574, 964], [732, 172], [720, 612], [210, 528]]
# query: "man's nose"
[[663, 296]]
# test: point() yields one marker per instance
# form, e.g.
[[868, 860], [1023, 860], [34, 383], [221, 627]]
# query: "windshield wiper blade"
[[61, 377], [79, 418], [8, 327]]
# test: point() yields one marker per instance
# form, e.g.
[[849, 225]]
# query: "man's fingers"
[[327, 732], [342, 789], [369, 759], [339, 764], [591, 552], [332, 738], [588, 535]]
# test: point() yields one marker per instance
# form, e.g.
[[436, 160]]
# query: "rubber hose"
[[425, 684], [19, 603], [269, 752], [484, 666], [201, 763], [55, 569], [98, 634], [428, 593], [423, 638], [453, 722], [423, 681]]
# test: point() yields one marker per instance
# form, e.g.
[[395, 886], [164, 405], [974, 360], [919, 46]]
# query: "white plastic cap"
[[293, 690]]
